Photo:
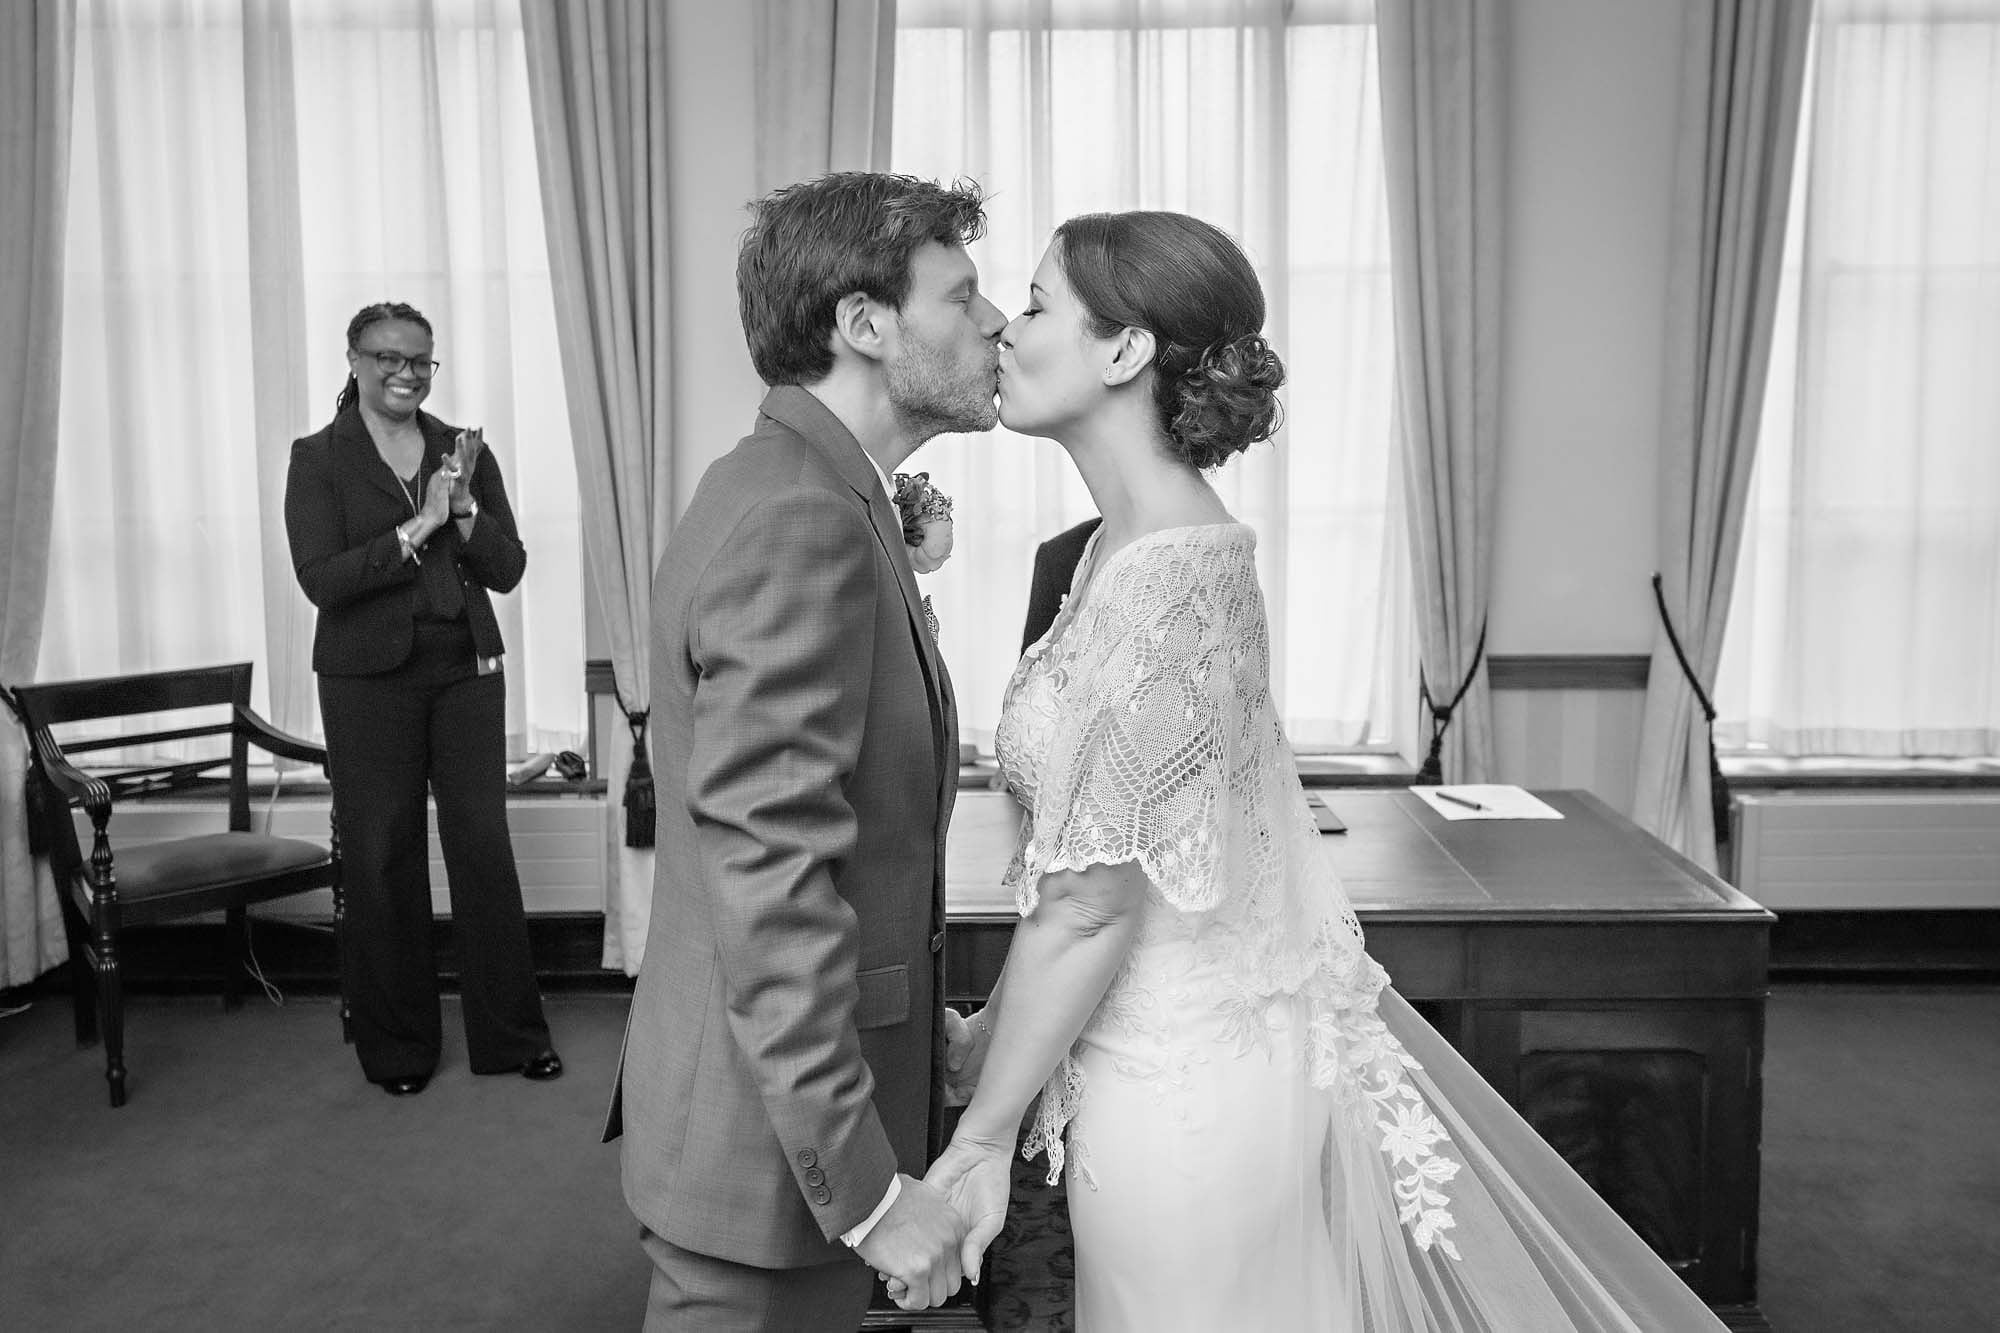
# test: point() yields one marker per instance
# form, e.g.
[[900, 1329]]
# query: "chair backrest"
[[50, 705]]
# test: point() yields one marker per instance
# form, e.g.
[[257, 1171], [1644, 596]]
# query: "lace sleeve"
[[1158, 705]]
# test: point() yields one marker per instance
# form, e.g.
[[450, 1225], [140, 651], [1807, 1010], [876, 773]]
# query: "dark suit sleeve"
[[493, 554], [1043, 602], [1055, 567], [331, 572], [779, 709]]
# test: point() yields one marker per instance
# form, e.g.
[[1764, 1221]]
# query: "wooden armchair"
[[146, 882]]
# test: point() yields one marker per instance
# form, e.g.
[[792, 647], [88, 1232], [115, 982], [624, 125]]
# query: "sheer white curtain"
[[1866, 614], [244, 177], [1263, 117]]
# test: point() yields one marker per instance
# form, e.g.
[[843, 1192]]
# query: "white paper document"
[[1485, 800]]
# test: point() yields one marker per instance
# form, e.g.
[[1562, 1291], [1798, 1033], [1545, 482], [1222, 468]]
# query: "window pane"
[[212, 266], [1866, 613], [1270, 131]]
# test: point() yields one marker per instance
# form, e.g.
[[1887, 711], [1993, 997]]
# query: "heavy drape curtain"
[[37, 48], [1262, 117], [1866, 613], [243, 178], [1442, 108], [1744, 62], [598, 79], [825, 87]]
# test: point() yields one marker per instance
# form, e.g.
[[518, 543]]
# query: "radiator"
[[559, 844], [1854, 850]]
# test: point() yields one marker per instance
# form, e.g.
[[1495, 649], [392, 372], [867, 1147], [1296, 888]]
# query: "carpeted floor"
[[256, 1181]]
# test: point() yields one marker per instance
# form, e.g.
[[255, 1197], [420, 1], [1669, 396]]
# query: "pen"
[[1444, 795]]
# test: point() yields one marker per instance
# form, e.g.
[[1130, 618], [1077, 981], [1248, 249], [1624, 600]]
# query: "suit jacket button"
[[822, 1195], [807, 1157], [937, 942], [815, 1176]]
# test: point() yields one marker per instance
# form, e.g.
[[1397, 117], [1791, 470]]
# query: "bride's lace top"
[[1141, 728]]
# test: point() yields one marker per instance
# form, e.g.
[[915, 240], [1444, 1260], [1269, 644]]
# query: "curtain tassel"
[[1432, 772], [1718, 786], [640, 814]]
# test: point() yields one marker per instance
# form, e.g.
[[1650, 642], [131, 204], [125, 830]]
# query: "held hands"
[[917, 1247], [974, 1174]]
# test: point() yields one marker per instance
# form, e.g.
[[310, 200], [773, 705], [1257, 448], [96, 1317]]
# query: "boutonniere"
[[926, 512]]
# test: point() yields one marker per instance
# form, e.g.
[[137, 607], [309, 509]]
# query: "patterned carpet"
[[1032, 1267]]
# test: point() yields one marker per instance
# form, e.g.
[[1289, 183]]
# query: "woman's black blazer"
[[342, 505]]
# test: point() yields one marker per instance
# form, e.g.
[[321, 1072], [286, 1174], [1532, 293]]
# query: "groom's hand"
[[916, 1246], [964, 1053]]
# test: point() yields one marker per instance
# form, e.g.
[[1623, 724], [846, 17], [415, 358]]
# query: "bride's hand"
[[975, 1176]]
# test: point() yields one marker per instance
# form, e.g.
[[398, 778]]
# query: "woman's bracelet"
[[409, 547], [472, 510]]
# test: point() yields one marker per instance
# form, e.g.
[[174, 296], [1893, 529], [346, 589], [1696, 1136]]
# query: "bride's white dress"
[[1260, 1134]]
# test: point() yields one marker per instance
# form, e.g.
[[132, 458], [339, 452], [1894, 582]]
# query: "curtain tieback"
[[640, 813], [1718, 786], [1432, 772]]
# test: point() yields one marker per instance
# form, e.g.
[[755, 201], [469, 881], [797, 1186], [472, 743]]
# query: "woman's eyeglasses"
[[392, 363]]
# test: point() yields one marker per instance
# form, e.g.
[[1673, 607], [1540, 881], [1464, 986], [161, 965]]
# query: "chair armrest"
[[73, 785], [93, 794], [267, 737]]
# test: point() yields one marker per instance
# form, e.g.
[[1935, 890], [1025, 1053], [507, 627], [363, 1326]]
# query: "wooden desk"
[[1610, 989]]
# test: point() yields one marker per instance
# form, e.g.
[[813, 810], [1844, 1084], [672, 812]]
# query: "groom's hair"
[[811, 244]]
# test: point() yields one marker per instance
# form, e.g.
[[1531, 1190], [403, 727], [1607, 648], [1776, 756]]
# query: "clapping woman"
[[400, 529]]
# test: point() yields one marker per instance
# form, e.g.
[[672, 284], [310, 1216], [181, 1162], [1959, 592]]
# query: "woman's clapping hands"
[[462, 462], [437, 498]]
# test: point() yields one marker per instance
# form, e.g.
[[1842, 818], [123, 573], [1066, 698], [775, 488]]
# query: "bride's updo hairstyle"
[[1215, 379]]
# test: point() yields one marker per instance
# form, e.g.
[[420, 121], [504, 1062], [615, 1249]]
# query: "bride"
[[1259, 1133]]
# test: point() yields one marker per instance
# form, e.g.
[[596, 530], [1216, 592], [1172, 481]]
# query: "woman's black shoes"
[[542, 1068]]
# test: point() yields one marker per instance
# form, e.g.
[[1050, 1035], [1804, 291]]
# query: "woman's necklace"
[[409, 487]]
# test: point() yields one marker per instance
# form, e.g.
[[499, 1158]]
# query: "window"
[[243, 179], [1261, 117], [1866, 614]]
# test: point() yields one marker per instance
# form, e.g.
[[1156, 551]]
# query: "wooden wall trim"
[[1568, 671]]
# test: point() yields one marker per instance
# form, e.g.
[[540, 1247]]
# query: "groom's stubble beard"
[[931, 395]]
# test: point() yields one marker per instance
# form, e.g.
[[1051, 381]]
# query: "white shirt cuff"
[[867, 1224]]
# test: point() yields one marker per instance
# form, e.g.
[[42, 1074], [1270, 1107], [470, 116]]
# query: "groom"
[[784, 1062]]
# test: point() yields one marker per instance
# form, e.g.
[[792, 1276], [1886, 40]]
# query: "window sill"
[[1315, 770], [1832, 772]]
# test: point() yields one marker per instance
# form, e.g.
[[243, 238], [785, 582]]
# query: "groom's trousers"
[[698, 1293]]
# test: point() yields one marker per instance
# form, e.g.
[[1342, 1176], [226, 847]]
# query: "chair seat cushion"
[[207, 862]]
